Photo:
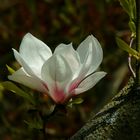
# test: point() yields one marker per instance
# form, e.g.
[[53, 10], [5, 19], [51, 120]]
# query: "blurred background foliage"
[[54, 22]]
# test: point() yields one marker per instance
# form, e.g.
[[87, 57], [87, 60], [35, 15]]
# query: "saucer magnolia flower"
[[61, 75]]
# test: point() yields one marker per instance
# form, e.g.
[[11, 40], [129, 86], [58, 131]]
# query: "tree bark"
[[118, 120]]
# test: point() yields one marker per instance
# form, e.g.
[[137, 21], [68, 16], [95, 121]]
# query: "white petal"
[[56, 69], [86, 64], [57, 74], [23, 63], [70, 55], [89, 82], [21, 77], [83, 70], [34, 52], [97, 53]]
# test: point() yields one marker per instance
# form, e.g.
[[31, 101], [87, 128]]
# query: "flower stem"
[[138, 41], [46, 118]]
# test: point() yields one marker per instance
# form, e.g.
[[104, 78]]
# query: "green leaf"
[[127, 48], [65, 18], [130, 7], [75, 101], [35, 123], [125, 5], [70, 7], [12, 87], [132, 27], [11, 71], [1, 88]]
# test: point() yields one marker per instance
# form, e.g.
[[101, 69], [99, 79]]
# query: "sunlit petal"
[[34, 52], [97, 53], [70, 55], [57, 69], [23, 63], [83, 70], [86, 63]]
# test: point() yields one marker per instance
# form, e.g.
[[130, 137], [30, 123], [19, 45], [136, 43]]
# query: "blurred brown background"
[[54, 22]]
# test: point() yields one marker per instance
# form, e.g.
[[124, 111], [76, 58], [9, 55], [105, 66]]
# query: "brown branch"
[[118, 120]]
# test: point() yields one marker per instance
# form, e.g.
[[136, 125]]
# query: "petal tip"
[[102, 73], [13, 50], [28, 34], [105, 73]]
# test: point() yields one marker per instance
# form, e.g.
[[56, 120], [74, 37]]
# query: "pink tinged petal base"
[[73, 86], [57, 95], [57, 74], [89, 82]]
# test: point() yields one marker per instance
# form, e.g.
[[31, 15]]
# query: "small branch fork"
[[129, 59]]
